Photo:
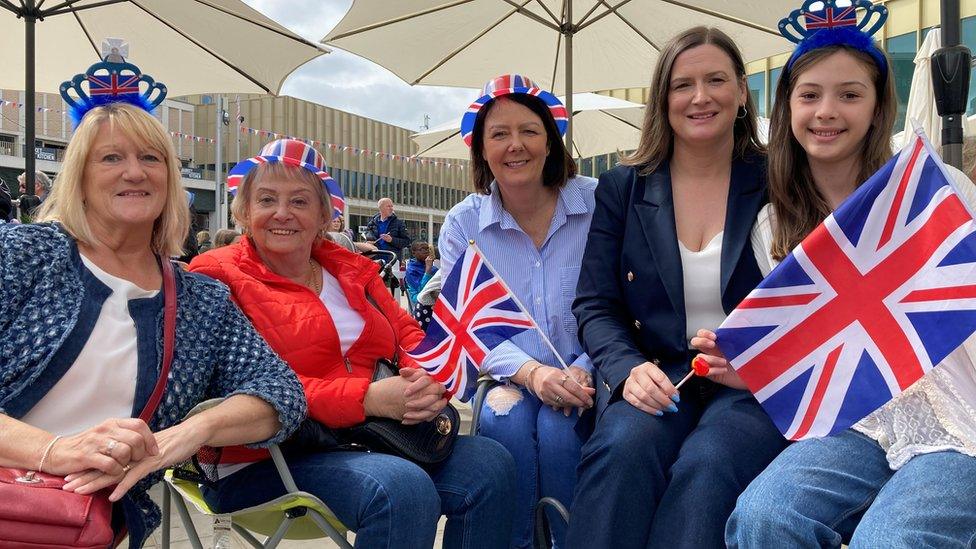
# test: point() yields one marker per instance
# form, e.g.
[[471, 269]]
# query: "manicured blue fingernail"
[[672, 408], [659, 413], [676, 397]]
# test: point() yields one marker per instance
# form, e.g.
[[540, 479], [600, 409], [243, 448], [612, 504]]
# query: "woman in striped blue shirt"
[[530, 217]]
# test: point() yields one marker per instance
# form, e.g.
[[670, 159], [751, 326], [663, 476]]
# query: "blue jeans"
[[670, 481], [823, 492], [391, 502], [546, 449]]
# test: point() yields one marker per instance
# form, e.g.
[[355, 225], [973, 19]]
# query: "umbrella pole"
[[568, 31], [950, 83], [29, 85]]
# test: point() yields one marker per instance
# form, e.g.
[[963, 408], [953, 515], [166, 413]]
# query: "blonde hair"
[[657, 137], [66, 202], [276, 171]]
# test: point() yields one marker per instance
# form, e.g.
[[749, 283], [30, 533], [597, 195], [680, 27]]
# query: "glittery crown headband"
[[112, 80], [835, 23]]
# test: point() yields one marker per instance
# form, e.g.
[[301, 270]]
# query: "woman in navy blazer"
[[668, 253]]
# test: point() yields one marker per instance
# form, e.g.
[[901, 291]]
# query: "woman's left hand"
[[719, 371], [176, 445], [425, 397]]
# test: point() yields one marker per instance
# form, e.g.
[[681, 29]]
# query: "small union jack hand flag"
[[474, 313], [876, 296]]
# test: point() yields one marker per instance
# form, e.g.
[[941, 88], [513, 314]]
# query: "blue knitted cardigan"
[[46, 298]]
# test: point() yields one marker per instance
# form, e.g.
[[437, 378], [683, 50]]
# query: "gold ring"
[[557, 399], [126, 467]]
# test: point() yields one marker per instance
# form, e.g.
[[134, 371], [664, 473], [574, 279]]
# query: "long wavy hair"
[[657, 136], [798, 205]]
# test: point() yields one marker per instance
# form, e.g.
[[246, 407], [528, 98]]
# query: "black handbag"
[[424, 443]]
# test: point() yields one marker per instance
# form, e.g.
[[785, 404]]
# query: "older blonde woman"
[[81, 321], [325, 310]]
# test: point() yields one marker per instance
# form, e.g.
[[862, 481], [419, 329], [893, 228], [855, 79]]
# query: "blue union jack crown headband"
[[834, 23], [508, 84], [293, 153], [110, 81]]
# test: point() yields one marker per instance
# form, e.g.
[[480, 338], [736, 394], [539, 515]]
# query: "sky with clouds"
[[350, 83]]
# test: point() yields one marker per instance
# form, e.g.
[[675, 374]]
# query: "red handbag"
[[36, 513]]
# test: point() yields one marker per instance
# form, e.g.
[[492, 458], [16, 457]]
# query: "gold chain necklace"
[[316, 280]]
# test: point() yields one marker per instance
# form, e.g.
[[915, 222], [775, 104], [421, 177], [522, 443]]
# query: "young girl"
[[902, 476]]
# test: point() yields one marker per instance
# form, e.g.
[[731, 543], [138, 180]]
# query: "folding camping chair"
[[294, 515]]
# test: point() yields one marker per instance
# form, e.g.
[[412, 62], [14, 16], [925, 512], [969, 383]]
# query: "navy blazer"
[[630, 297]]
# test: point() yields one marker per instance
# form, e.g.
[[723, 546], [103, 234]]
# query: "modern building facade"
[[368, 158]]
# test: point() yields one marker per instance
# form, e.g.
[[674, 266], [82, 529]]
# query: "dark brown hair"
[[799, 207], [559, 166], [657, 136]]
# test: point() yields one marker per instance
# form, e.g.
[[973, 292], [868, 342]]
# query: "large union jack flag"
[[870, 301], [474, 313]]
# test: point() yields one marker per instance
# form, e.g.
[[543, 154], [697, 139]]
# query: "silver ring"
[[112, 443], [563, 381]]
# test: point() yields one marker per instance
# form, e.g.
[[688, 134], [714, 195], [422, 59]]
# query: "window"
[[968, 38], [586, 167], [901, 50], [774, 75], [599, 165], [757, 89]]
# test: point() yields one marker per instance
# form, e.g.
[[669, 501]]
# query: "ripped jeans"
[[546, 449]]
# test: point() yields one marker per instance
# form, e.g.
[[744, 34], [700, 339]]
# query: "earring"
[[742, 112]]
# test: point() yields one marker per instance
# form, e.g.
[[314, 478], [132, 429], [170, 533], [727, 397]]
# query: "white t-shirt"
[[935, 414], [701, 273], [101, 383], [348, 323]]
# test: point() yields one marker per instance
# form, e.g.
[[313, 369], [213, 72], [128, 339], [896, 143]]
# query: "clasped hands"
[[561, 389], [648, 389], [119, 452], [411, 397]]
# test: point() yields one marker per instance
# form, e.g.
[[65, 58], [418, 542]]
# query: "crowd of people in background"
[[626, 279]]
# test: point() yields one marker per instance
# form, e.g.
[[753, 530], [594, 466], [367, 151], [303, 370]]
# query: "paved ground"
[[204, 524]]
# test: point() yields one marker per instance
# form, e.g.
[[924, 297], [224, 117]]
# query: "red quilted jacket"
[[299, 328]]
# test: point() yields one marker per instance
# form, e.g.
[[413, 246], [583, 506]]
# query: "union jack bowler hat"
[[294, 153], [507, 84]]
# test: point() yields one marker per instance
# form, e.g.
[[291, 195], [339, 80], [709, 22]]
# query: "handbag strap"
[[169, 337], [396, 338]]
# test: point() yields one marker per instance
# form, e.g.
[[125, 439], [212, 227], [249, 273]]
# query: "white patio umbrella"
[[921, 108], [565, 46], [921, 99], [604, 125], [192, 46]]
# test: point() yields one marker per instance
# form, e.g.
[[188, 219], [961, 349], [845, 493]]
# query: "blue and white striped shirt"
[[543, 279]]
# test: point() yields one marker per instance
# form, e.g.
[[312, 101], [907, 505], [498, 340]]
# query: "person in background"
[[668, 253], [386, 230], [328, 315], [345, 237], [529, 216], [420, 268], [84, 287], [225, 237], [902, 476], [203, 241], [6, 203], [28, 203]]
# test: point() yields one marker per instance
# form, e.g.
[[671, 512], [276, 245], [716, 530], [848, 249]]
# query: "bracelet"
[[528, 376], [47, 452]]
